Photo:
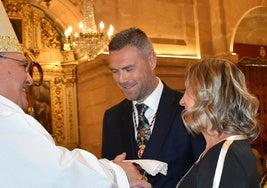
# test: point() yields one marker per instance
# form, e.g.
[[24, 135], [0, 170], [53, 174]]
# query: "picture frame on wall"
[[42, 105]]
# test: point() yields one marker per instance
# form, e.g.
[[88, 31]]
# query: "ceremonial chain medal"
[[143, 135]]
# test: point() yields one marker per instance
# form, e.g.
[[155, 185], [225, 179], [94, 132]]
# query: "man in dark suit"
[[132, 61]]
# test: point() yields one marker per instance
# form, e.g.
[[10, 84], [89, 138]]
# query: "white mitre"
[[8, 38]]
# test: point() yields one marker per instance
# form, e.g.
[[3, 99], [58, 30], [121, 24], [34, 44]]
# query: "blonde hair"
[[222, 101]]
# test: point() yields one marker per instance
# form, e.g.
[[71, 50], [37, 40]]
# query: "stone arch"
[[254, 17]]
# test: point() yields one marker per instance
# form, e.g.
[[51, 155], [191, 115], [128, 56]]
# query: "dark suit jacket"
[[169, 142]]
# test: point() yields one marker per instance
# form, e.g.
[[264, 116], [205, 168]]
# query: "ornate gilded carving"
[[37, 31], [14, 7], [58, 111], [49, 35], [62, 82]]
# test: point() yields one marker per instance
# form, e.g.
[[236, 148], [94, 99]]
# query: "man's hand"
[[135, 179]]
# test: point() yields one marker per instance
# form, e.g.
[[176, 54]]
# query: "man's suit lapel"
[[165, 116], [128, 138]]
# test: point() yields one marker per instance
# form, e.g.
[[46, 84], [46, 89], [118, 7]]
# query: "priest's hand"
[[136, 180]]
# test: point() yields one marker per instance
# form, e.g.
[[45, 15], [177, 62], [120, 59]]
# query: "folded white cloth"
[[152, 167]]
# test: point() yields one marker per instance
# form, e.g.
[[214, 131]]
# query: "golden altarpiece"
[[54, 102]]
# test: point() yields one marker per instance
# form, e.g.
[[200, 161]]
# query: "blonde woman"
[[218, 105]]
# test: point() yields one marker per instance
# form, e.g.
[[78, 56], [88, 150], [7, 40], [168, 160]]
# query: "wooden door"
[[255, 71]]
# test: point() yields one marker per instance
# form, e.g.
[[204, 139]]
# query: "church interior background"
[[75, 91]]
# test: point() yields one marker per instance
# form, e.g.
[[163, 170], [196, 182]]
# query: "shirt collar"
[[152, 101]]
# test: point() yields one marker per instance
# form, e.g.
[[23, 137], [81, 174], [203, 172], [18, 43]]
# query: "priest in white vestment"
[[29, 157]]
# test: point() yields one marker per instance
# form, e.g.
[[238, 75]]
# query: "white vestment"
[[29, 157]]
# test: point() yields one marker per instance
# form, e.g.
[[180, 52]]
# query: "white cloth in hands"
[[152, 167]]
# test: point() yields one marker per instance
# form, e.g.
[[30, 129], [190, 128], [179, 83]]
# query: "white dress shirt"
[[152, 101]]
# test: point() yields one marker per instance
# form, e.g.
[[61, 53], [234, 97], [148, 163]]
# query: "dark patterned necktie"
[[143, 128]]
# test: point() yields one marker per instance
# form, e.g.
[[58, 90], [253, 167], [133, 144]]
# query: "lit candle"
[[101, 26], [69, 29], [110, 31], [80, 26], [66, 33]]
